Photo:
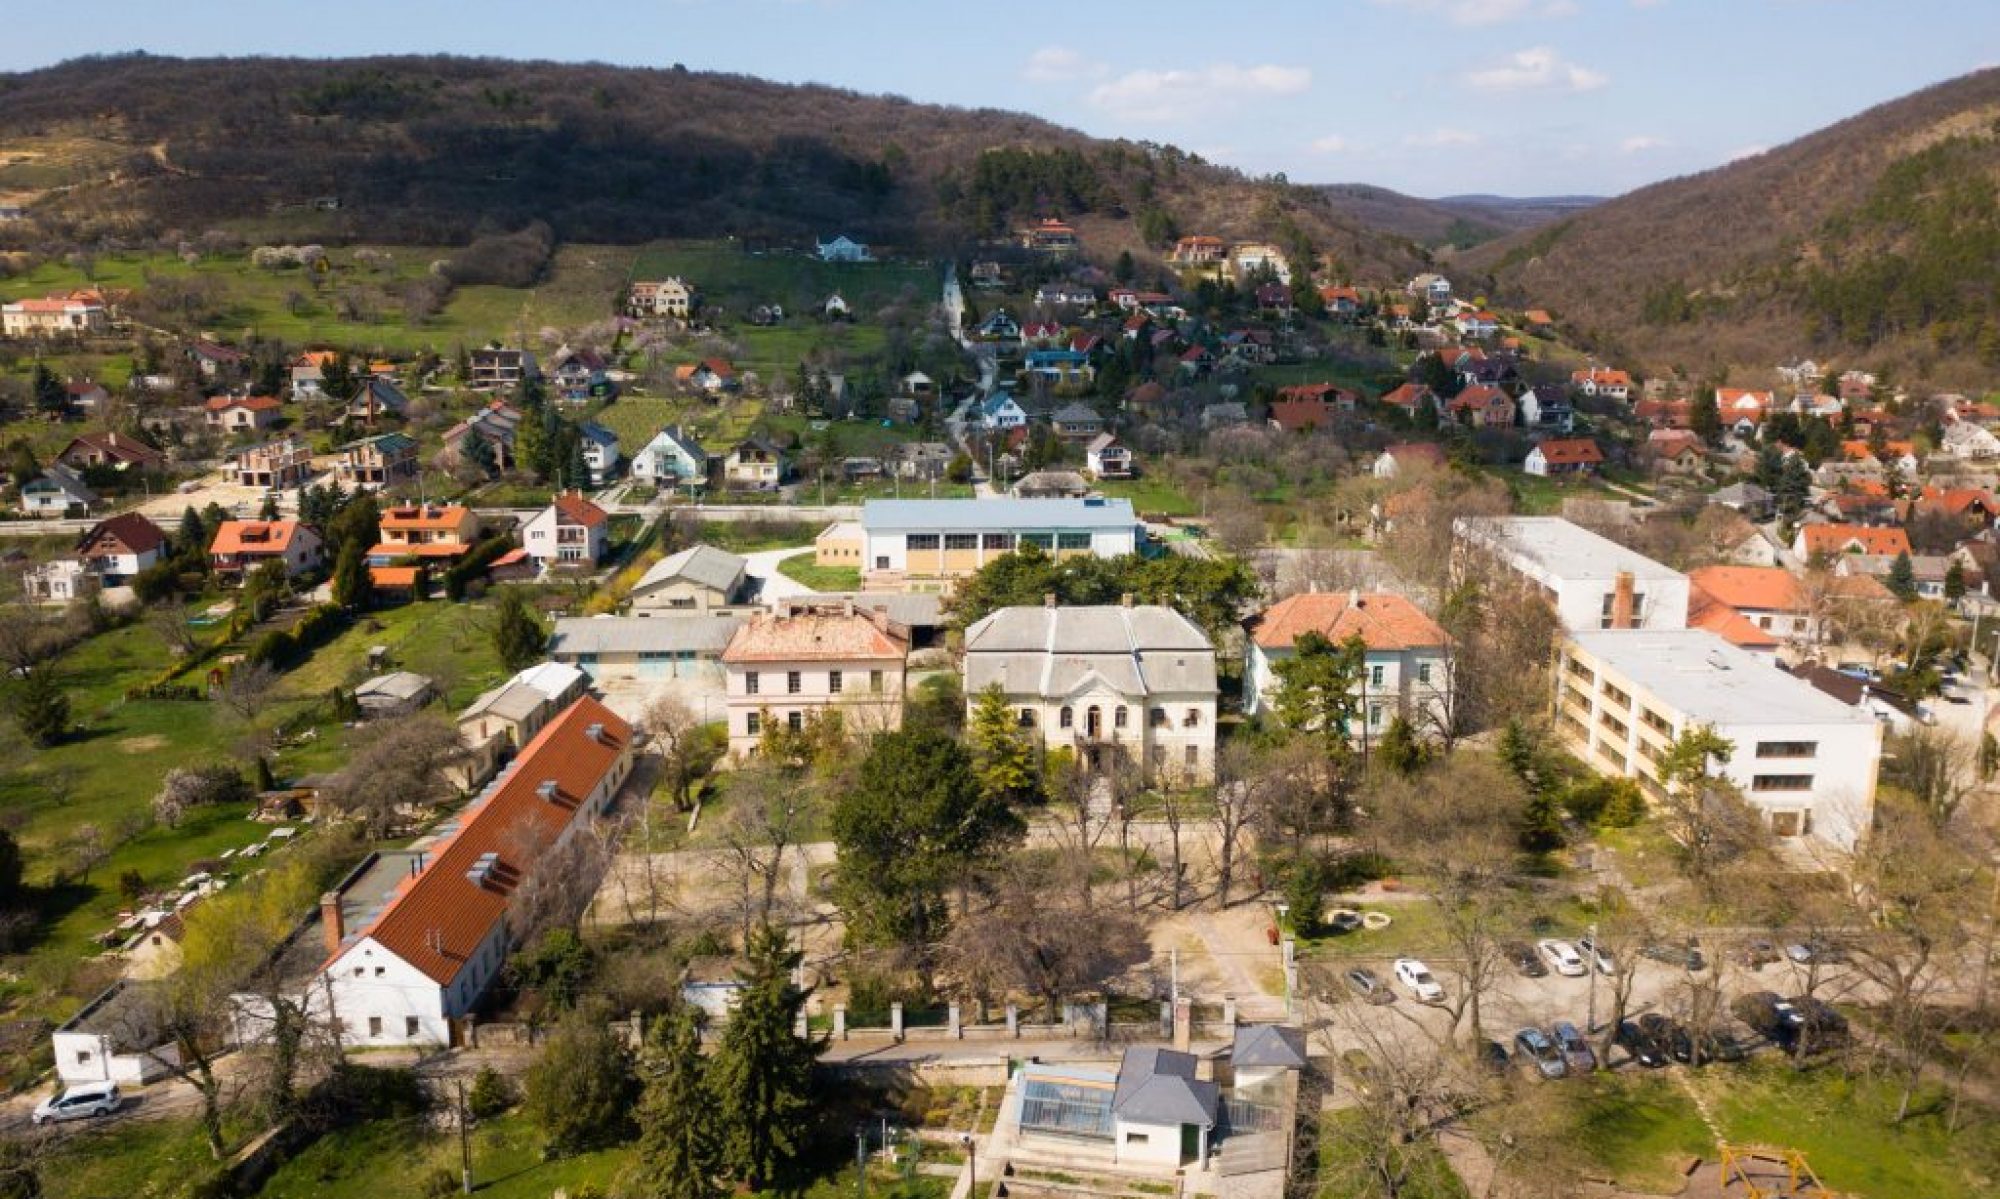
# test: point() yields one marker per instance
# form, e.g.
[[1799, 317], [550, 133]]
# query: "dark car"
[[1642, 1048], [1687, 956], [1369, 985], [1770, 1016], [1346, 920], [1697, 1049], [1820, 1026], [1523, 957], [1576, 1051], [1493, 1056], [1533, 1046], [1756, 954]]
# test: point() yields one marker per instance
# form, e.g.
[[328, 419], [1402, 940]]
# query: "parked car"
[[1533, 1045], [1770, 1016], [1642, 1048], [1345, 920], [1714, 1046], [1755, 955], [1661, 1030], [79, 1102], [1369, 985], [1820, 1025], [1595, 953], [1523, 958], [1816, 951], [1577, 1054], [1687, 956], [1562, 957], [1493, 1056], [1417, 977]]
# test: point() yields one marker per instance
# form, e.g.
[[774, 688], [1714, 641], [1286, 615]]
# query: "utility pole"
[[464, 1138], [1590, 968], [971, 1144], [861, 1162], [1986, 949]]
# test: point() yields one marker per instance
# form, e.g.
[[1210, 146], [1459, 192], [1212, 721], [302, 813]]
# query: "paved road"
[[763, 567]]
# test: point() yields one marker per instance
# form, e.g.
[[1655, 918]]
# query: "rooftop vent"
[[548, 790], [595, 732]]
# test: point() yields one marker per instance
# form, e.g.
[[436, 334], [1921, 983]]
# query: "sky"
[[1429, 97]]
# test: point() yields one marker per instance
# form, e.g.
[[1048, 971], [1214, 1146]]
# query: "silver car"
[[78, 1102]]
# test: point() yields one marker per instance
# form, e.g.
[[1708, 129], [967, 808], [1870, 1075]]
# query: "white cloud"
[[1060, 64], [1537, 68], [1640, 143], [1332, 143], [1746, 152], [1440, 138], [1166, 95], [1476, 13]]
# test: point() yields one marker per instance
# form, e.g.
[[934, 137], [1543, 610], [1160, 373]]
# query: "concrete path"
[[763, 567]]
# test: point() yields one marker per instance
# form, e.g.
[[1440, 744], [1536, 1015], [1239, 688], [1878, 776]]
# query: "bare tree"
[[394, 768], [248, 689], [168, 621], [1244, 786], [766, 816], [688, 751], [1038, 936], [1935, 764]]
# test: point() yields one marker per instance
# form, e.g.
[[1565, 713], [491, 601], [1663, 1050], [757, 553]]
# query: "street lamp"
[[971, 1144], [1590, 968]]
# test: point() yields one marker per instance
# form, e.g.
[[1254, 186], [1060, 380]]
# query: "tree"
[[914, 822], [1706, 816], [1902, 580], [1794, 489], [1038, 935], [394, 765], [247, 689], [1705, 418], [1935, 765], [579, 1092], [39, 705], [765, 819], [678, 1156], [1319, 689], [689, 749], [518, 636], [353, 586], [762, 1071], [1954, 581], [1004, 755], [1400, 750]]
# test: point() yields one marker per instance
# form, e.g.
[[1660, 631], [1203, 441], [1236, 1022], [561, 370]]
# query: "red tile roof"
[[1834, 539], [573, 509], [437, 920], [1381, 619], [254, 536], [813, 637], [1409, 395], [1572, 451], [1707, 612], [252, 403], [1761, 588]]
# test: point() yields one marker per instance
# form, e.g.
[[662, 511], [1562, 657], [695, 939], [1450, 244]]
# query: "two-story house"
[[121, 546], [379, 461], [428, 531], [242, 414], [275, 465], [114, 450], [784, 667], [377, 399], [499, 368], [241, 546], [57, 492], [671, 459], [571, 530], [1105, 458], [755, 462], [600, 452], [1406, 671]]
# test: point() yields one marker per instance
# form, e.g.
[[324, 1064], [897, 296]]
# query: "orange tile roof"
[[1763, 588], [1603, 377], [1409, 395], [418, 549], [394, 576], [414, 518], [437, 920], [573, 509], [1873, 539], [1571, 451], [254, 536], [813, 637], [1707, 612], [253, 403], [1381, 619]]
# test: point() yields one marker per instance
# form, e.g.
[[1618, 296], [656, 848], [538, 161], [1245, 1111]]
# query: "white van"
[[79, 1101]]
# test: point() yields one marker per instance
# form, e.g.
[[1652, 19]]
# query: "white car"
[[1562, 957], [1417, 977], [77, 1102]]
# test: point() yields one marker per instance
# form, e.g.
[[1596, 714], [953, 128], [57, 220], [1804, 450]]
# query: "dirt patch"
[[142, 745]]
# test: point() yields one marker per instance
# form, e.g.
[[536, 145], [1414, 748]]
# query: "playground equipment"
[[1767, 1173]]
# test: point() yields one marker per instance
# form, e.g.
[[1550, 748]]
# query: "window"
[[921, 541], [410, 1026], [1027, 720], [795, 721], [793, 683], [1615, 694], [1120, 718], [1374, 715], [1781, 782], [881, 562], [999, 541], [753, 723], [82, 1056], [1192, 757], [1375, 675], [380, 971], [1656, 722], [750, 683], [1072, 541], [1065, 719], [1042, 541], [1787, 749], [833, 682], [374, 1026], [1137, 1138], [1158, 718], [875, 681], [961, 541], [1192, 719], [1423, 672]]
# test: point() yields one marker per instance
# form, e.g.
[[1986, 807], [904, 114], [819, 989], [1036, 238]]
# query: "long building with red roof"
[[424, 957]]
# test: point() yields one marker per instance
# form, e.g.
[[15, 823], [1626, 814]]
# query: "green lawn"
[[750, 536], [1637, 1128], [800, 568], [731, 279], [1152, 495], [138, 1159], [1346, 1173]]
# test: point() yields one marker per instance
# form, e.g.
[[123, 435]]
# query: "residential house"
[[114, 450], [784, 668], [904, 410], [1406, 672], [646, 649], [493, 426], [671, 459], [58, 581], [1195, 361], [85, 395], [275, 465], [1969, 442], [672, 296], [396, 694], [945, 539], [78, 315], [1049, 236], [1105, 458], [1742, 411], [921, 459], [917, 385], [500, 368], [1343, 303], [422, 963], [308, 372], [1927, 571], [998, 326], [571, 530], [1603, 382], [1482, 407], [1748, 499], [1804, 761], [755, 462], [383, 460], [1077, 422], [1252, 259], [1769, 597], [426, 531], [987, 275], [1002, 411], [1477, 324], [697, 579], [243, 414], [1411, 398], [117, 1037], [1128, 687], [1060, 367], [1895, 712], [1675, 451], [710, 375], [1548, 409], [1392, 462], [1302, 410], [121, 546], [241, 546], [1051, 485], [1064, 295], [843, 249], [212, 359], [1154, 1115], [1273, 298], [600, 452], [1591, 581], [377, 398], [56, 493], [578, 376], [1041, 333], [1564, 456], [1834, 539], [1664, 414], [1433, 289], [1199, 250], [501, 721]]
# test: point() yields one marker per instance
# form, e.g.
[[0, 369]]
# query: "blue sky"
[[1427, 96]]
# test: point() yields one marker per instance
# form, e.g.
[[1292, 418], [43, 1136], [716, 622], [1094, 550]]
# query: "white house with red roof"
[[569, 530], [1564, 456], [74, 315], [431, 946], [1406, 671]]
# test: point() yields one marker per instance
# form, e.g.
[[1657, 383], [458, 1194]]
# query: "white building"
[[58, 581], [952, 538], [1406, 671], [443, 935], [670, 459], [1806, 761], [843, 249], [570, 530], [784, 667], [1592, 581], [1120, 685], [115, 1038]]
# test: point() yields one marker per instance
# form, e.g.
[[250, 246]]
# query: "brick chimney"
[[1623, 605], [330, 923], [1049, 599], [1183, 1024]]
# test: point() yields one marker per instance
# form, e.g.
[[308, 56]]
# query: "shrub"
[[441, 1181], [491, 1093]]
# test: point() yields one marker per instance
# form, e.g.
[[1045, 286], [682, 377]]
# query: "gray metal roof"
[[1269, 1045], [703, 565], [397, 685], [1055, 652], [640, 634], [1158, 1086], [999, 514], [513, 701], [916, 609]]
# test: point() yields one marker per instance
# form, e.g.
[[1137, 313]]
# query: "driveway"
[[763, 567]]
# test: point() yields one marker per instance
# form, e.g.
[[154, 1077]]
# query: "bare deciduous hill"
[[439, 149], [1460, 222], [1875, 240]]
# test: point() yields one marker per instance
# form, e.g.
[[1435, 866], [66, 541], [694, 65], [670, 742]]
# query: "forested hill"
[[1875, 241], [429, 150]]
